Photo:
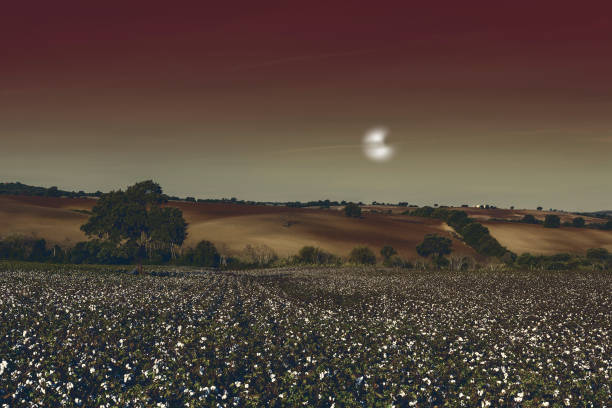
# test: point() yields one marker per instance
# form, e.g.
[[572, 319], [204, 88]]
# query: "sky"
[[505, 102]]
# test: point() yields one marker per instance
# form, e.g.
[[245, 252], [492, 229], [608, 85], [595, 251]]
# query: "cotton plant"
[[305, 337]]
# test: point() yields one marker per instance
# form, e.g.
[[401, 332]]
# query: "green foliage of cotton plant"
[[91, 336]]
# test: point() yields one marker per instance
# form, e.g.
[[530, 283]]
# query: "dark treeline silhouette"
[[473, 233], [101, 252], [18, 188]]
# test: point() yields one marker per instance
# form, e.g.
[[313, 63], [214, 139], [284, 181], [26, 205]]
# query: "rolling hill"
[[232, 226]]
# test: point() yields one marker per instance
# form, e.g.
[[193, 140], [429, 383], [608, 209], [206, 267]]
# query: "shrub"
[[607, 226], [530, 219], [435, 245], [24, 249], [362, 255], [597, 254], [578, 222], [440, 213], [39, 251], [395, 261], [100, 252], [259, 255], [315, 256], [440, 261], [562, 257], [508, 258], [458, 220], [552, 221], [422, 212], [489, 246], [387, 252], [57, 254], [527, 260], [352, 210], [206, 254], [473, 232]]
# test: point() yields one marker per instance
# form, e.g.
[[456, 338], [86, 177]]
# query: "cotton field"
[[305, 337]]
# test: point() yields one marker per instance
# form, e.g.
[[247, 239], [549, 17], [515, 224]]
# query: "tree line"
[[135, 226], [473, 233]]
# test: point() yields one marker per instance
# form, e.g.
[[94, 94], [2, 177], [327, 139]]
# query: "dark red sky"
[[504, 102]]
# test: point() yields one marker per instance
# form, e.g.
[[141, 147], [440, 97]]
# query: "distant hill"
[[18, 188], [598, 214], [232, 226]]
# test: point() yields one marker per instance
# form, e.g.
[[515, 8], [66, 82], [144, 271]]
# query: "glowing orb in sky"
[[374, 146]]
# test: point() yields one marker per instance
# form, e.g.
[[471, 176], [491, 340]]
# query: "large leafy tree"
[[136, 216], [435, 246]]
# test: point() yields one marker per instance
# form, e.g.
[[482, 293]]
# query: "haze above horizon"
[[500, 103]]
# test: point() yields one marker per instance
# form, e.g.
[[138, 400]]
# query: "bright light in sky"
[[374, 146]]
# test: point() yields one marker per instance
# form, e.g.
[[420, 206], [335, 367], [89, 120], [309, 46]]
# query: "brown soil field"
[[507, 214], [536, 239], [484, 214], [44, 217], [232, 226]]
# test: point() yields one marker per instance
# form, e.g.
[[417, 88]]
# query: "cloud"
[[320, 148]]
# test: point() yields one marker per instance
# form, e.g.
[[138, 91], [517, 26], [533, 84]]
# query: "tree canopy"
[[387, 252], [136, 216], [352, 210], [552, 221], [435, 245]]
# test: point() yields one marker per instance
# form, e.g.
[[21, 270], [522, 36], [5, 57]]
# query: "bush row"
[[473, 233], [599, 258], [205, 254]]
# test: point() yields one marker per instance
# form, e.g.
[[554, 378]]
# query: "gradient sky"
[[504, 102]]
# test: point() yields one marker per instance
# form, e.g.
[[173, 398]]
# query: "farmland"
[[304, 336], [233, 226]]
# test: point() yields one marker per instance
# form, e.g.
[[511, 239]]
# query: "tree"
[[53, 192], [552, 221], [435, 245], [529, 219], [39, 251], [387, 252], [458, 220], [168, 228], [135, 216], [578, 222], [206, 254], [473, 232], [527, 260], [362, 255], [597, 254], [422, 212], [315, 256], [352, 210], [259, 255]]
